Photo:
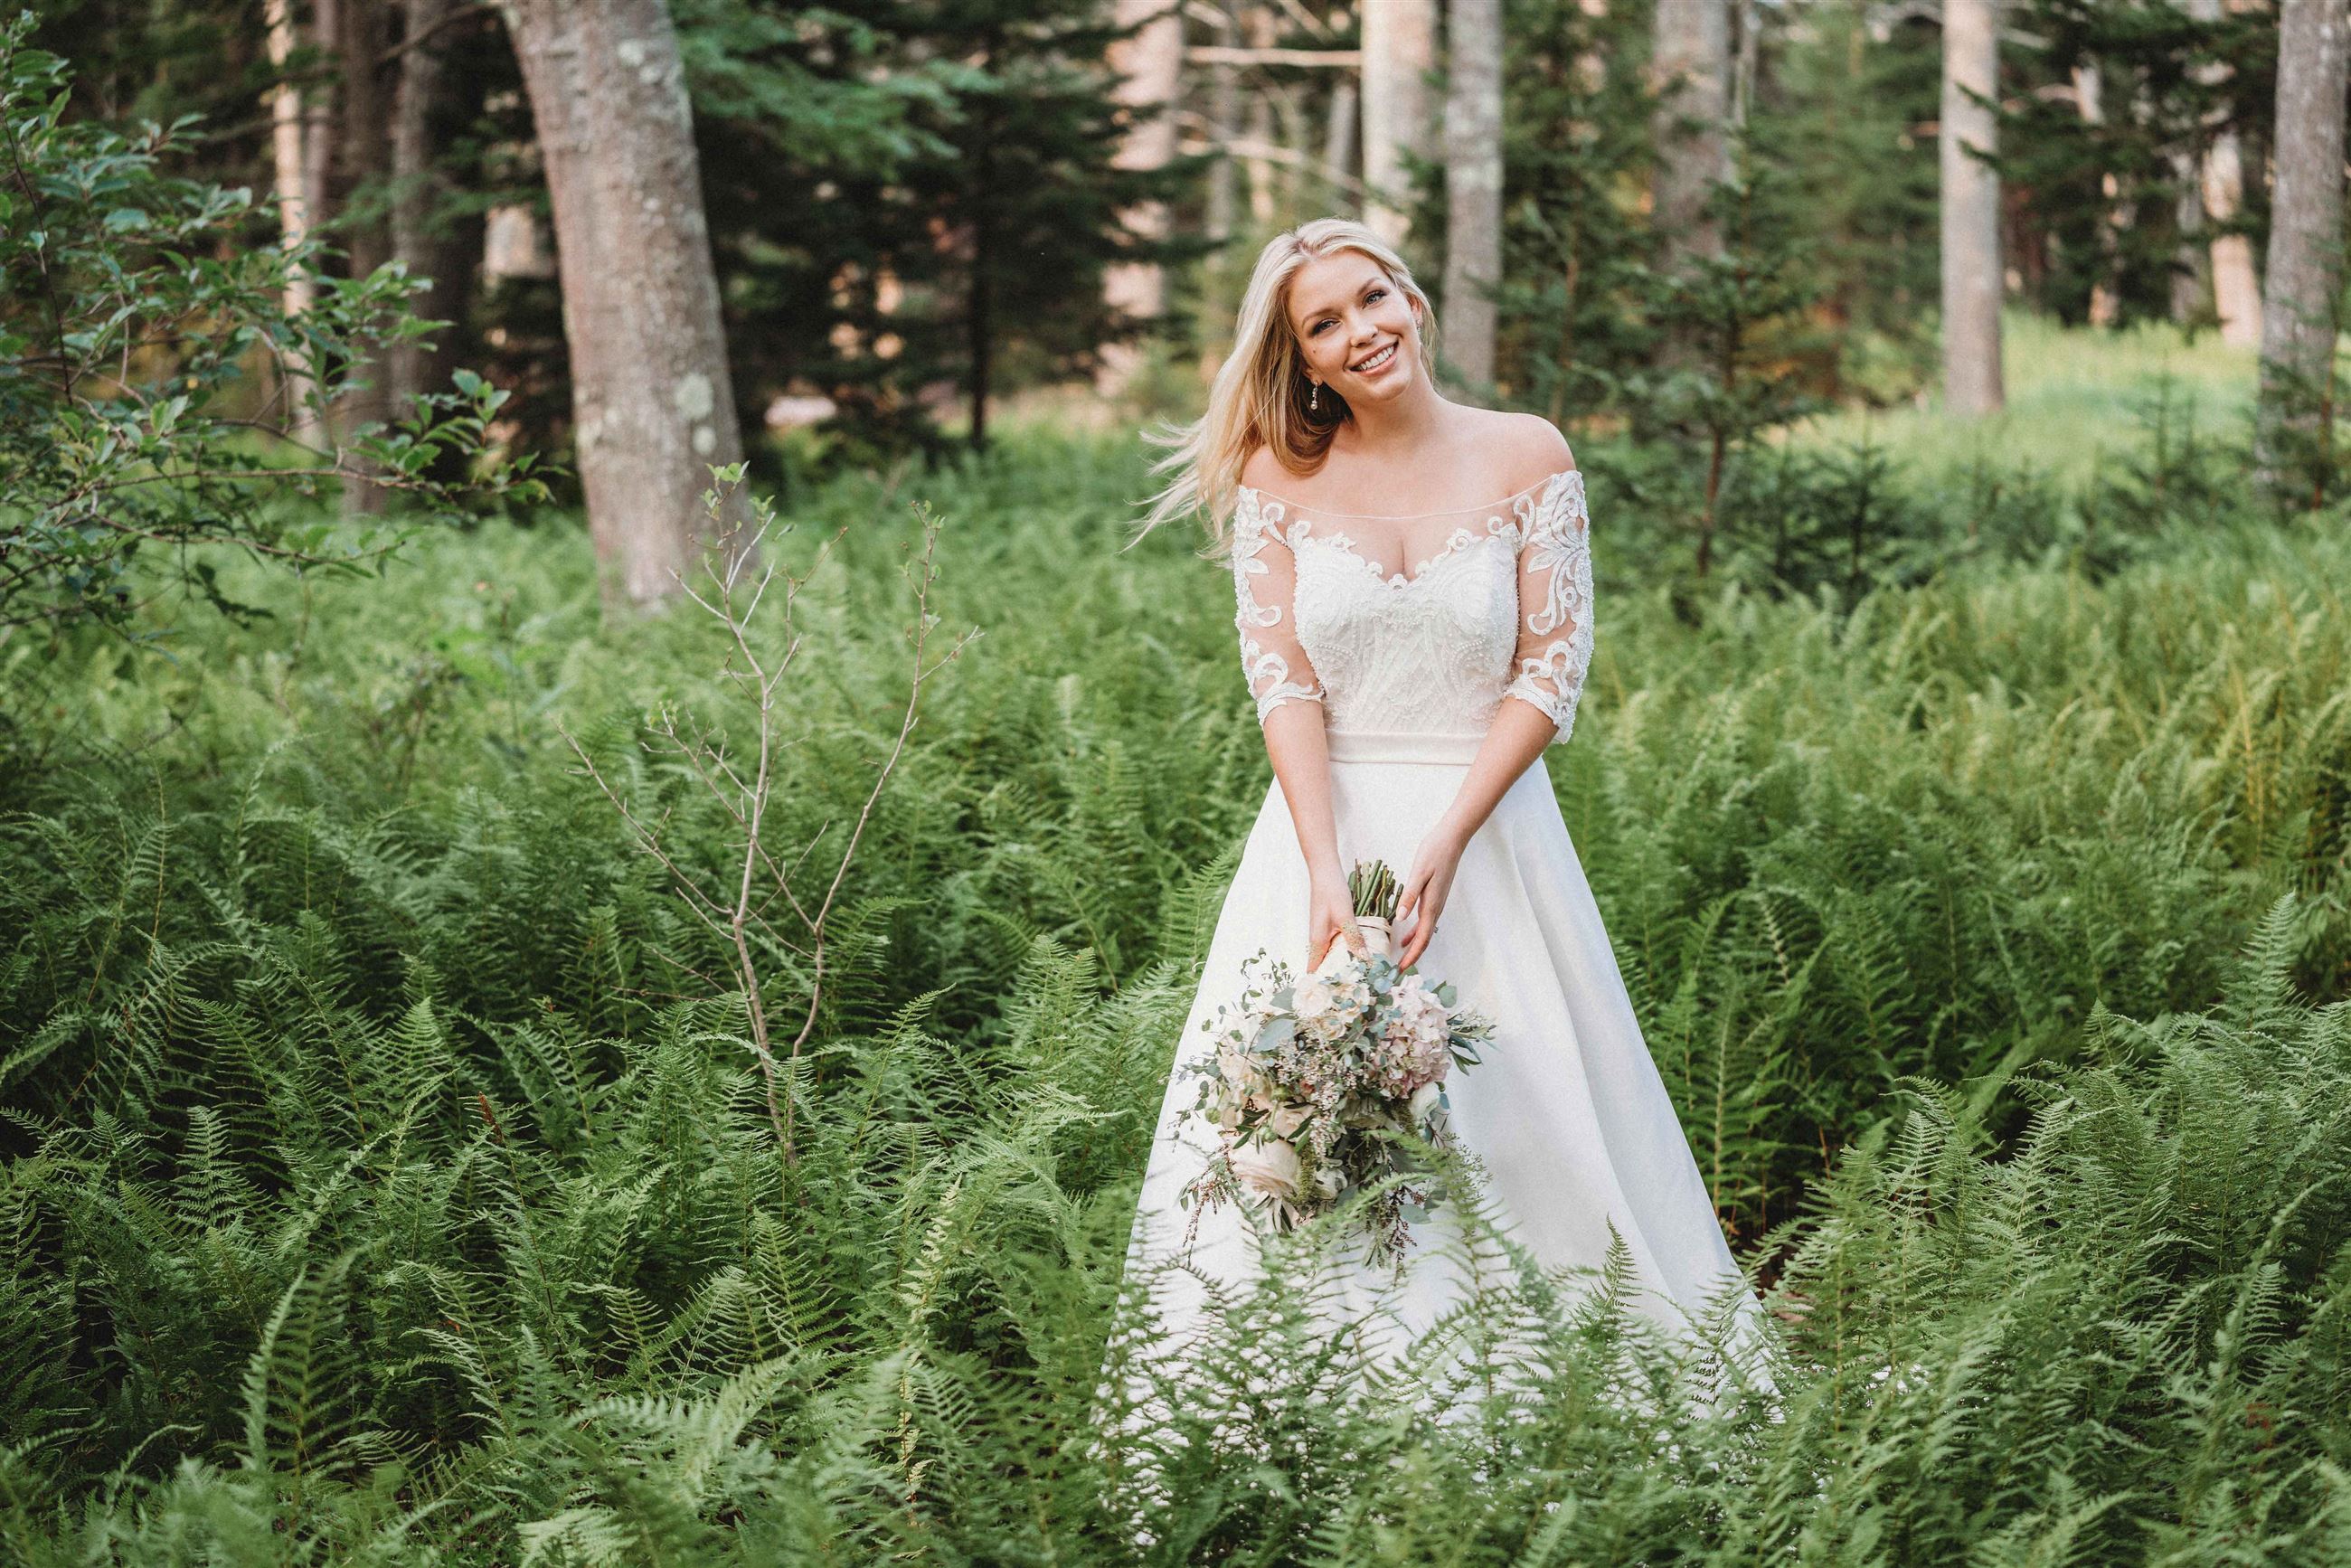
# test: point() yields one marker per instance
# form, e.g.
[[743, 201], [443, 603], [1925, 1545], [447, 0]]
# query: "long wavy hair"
[[1260, 395]]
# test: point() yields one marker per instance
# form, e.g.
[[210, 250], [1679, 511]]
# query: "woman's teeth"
[[1376, 360]]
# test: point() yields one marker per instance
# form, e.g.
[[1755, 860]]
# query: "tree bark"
[[1690, 73], [1148, 66], [1972, 267], [2191, 276], [2236, 284], [650, 397], [1399, 49], [1259, 150], [1473, 184], [1224, 127], [297, 202], [418, 103], [1339, 140], [2305, 257], [363, 116], [2105, 303]]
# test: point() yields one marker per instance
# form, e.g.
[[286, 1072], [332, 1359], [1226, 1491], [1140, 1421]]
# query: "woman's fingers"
[[1415, 886]]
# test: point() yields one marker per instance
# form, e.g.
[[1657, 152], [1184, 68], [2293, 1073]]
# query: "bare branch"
[[744, 785]]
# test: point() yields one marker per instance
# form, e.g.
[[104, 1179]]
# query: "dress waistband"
[[1403, 746]]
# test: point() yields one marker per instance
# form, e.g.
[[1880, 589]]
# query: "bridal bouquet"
[[1325, 1085]]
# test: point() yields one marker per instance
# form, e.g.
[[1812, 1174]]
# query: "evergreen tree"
[[1847, 97], [2113, 107], [1574, 163], [1022, 212]]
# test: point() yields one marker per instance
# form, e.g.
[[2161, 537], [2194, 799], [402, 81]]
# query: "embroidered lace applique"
[[1433, 650]]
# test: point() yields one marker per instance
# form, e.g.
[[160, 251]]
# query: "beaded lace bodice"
[[1500, 607]]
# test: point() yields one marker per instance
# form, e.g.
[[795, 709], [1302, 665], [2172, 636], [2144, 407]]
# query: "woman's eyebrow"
[[1321, 310]]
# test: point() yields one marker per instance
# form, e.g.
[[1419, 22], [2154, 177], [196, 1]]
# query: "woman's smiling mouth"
[[1376, 363]]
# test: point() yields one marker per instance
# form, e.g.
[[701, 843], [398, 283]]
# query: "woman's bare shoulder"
[[1524, 449], [1262, 470], [1537, 449]]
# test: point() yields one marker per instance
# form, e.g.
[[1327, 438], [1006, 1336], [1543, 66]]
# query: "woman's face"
[[1354, 326]]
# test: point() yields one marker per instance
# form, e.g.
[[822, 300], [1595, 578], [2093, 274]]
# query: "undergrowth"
[[385, 1183]]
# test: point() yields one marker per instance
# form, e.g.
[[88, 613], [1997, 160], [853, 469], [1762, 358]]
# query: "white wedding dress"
[[1567, 1114]]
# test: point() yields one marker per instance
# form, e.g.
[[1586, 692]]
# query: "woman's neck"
[[1400, 426]]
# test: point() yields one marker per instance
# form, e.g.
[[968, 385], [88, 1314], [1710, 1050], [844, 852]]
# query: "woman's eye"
[[1376, 294]]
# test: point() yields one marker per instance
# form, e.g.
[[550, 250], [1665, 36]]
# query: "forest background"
[[605, 835]]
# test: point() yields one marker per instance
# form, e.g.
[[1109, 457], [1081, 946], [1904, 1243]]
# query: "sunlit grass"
[[2075, 397]]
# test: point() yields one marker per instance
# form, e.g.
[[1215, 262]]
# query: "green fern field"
[[389, 1179]]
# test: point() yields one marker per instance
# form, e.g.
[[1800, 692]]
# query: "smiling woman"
[[1361, 338], [1413, 594]]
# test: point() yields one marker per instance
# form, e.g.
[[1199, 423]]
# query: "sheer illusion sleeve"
[[1555, 602], [1265, 584]]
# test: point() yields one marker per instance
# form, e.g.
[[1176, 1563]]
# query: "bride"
[[1414, 592]]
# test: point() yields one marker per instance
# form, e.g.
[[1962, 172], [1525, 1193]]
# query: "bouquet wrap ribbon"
[[1378, 940]]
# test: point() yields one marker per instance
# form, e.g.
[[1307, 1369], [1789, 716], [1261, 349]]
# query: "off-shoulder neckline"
[[1540, 486]]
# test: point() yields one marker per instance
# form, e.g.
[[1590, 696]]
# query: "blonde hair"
[[1260, 396]]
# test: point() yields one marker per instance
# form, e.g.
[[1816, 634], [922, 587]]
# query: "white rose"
[[1313, 995], [1286, 1121], [1269, 1166], [1424, 1099]]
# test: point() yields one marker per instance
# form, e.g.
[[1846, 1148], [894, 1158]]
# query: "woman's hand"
[[1425, 887], [1330, 914]]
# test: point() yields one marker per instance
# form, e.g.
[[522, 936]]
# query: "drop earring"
[[1314, 398]]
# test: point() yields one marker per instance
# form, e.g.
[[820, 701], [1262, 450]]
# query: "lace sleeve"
[[1265, 584], [1554, 601]]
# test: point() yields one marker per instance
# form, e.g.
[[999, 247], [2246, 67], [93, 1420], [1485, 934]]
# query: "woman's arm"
[[1517, 735], [1538, 709], [1300, 748], [1290, 708]]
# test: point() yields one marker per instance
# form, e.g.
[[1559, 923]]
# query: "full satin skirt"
[[1566, 1116]]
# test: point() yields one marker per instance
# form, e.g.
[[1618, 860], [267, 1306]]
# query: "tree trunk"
[[362, 118], [2192, 275], [2236, 285], [1690, 71], [1148, 66], [1399, 49], [1971, 204], [297, 208], [318, 113], [1223, 128], [1258, 140], [1339, 143], [418, 102], [979, 318], [2305, 259], [2105, 303], [651, 396], [1473, 184]]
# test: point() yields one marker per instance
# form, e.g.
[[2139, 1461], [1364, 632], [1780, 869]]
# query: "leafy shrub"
[[138, 310]]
